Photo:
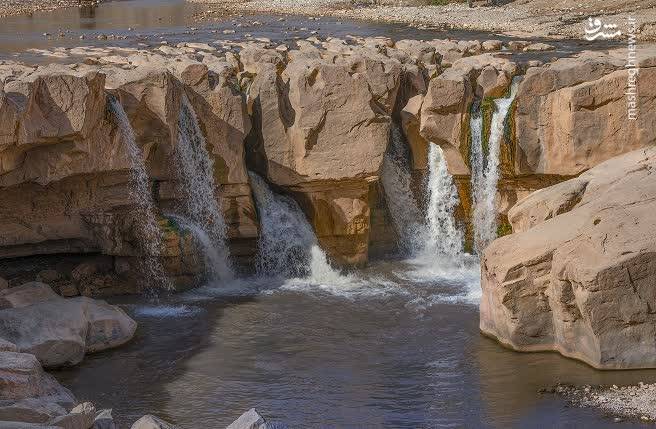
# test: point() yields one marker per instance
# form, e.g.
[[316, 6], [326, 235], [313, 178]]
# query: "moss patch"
[[504, 227], [488, 107], [509, 142]]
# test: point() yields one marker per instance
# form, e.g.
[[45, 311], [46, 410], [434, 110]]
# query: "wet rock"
[[249, 420], [151, 422]]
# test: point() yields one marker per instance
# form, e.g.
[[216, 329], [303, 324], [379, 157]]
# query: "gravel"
[[626, 402], [27, 7], [521, 18]]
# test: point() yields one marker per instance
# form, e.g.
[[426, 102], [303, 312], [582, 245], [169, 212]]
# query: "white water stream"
[[485, 171], [288, 247], [202, 206], [148, 231]]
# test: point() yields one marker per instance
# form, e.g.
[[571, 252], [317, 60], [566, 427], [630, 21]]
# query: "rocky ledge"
[[577, 275], [314, 119]]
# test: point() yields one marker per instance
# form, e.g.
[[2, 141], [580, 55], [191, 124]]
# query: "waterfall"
[[443, 237], [202, 206], [288, 246], [148, 231], [485, 171], [396, 179]]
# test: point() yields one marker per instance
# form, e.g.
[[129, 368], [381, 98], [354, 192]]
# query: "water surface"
[[386, 347]]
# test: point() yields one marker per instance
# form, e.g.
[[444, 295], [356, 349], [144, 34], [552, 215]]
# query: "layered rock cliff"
[[314, 121]]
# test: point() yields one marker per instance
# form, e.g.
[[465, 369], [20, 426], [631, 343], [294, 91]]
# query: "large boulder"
[[61, 331], [574, 113], [579, 276]]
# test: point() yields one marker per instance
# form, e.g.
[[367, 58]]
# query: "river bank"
[[530, 19], [28, 7]]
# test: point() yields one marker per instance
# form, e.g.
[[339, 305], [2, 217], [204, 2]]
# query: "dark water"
[[146, 23], [384, 348]]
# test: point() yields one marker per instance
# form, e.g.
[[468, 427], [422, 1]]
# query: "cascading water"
[[148, 231], [485, 171], [444, 239], [288, 247], [396, 179], [202, 207]]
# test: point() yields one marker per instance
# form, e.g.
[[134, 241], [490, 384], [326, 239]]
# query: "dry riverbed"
[[521, 18]]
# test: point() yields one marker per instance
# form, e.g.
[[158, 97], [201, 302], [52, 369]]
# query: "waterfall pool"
[[384, 348]]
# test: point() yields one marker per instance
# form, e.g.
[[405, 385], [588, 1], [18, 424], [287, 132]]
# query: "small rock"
[[104, 420], [249, 420], [151, 422], [48, 276], [4, 284]]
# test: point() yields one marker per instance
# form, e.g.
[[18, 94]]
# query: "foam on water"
[[166, 311], [288, 247]]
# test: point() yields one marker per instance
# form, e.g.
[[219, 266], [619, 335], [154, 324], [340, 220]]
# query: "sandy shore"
[[521, 18], [27, 7]]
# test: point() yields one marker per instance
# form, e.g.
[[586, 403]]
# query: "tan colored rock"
[[580, 282], [61, 331], [26, 294], [572, 114]]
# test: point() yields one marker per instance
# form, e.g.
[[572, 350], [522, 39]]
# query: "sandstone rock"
[[580, 282], [492, 45], [249, 420], [59, 332], [151, 422], [21, 377], [539, 47], [572, 115], [443, 111], [26, 294]]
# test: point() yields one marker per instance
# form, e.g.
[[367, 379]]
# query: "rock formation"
[[313, 119], [577, 274]]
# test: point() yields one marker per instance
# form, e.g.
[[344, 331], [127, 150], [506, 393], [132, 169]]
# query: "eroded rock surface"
[[579, 276]]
